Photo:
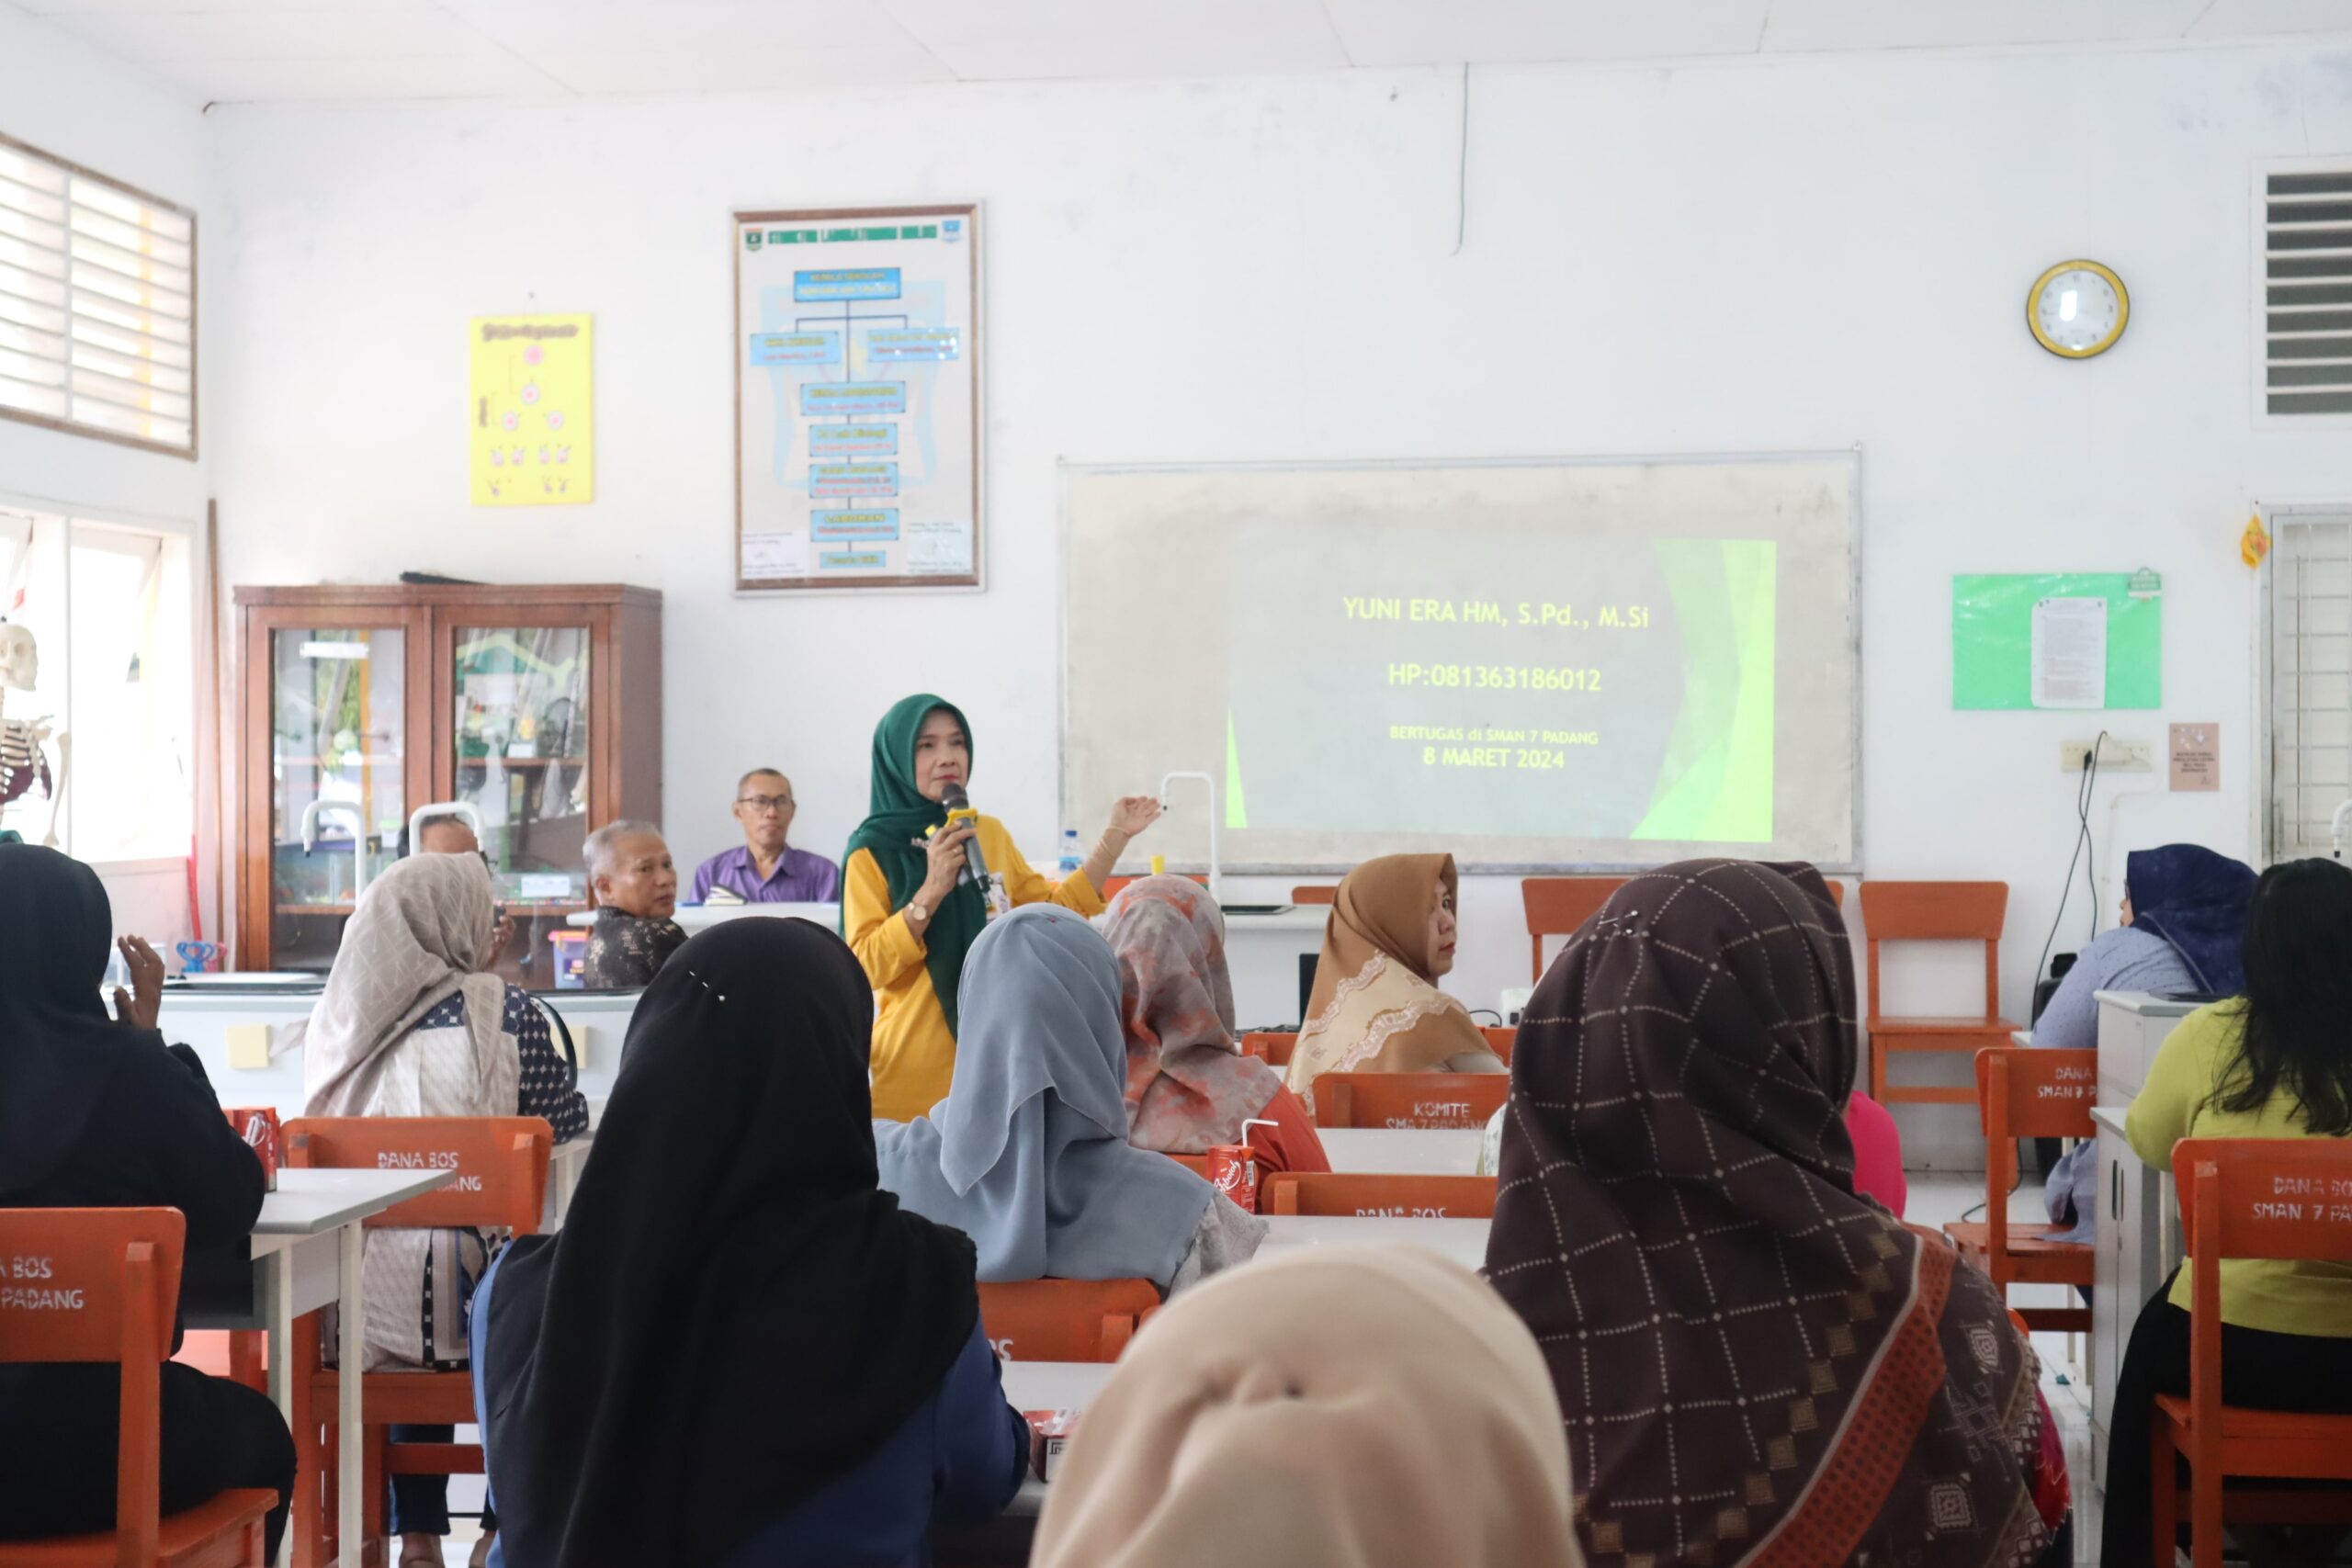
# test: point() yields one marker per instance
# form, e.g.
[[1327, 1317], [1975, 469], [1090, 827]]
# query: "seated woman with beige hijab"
[[410, 1026], [1383, 1408], [1375, 1007]]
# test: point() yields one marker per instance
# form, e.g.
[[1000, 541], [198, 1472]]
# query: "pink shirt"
[[1877, 1152]]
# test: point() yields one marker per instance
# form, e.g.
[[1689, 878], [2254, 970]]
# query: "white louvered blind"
[[97, 304], [2307, 292], [2310, 678]]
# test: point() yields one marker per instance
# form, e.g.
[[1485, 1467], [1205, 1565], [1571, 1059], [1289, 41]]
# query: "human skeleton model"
[[23, 762]]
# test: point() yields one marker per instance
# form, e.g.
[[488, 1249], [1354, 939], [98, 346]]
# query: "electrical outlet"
[[2117, 754]]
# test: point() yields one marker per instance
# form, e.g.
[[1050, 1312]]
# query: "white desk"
[[1464, 1241], [565, 1163], [1402, 1151], [306, 1254]]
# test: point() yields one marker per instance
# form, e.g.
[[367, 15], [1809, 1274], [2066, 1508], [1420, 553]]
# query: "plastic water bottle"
[[117, 975], [1071, 859]]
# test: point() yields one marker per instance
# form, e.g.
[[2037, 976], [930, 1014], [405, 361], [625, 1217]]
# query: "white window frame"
[[69, 426], [202, 698], [2276, 516], [2257, 296]]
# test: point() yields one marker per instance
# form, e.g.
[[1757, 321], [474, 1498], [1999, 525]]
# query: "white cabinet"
[[2139, 1244]]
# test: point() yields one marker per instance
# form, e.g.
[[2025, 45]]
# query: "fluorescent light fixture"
[[334, 650]]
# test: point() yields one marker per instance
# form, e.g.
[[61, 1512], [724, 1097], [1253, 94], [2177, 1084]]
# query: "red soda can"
[[257, 1125], [1233, 1170]]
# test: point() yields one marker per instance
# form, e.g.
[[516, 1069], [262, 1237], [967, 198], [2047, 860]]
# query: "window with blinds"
[[2310, 678], [97, 305], [2307, 292]]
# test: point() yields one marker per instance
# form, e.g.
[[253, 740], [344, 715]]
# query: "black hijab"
[[733, 1314], [58, 1048]]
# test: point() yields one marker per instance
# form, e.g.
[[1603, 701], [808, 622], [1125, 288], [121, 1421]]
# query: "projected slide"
[[1529, 664], [1618, 694]]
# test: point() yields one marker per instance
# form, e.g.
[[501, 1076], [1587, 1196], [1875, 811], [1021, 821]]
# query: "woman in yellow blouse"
[[2276, 1062], [909, 907]]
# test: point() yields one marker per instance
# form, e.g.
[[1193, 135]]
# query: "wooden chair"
[[1315, 893], [101, 1285], [1404, 1197], [501, 1164], [1271, 1047], [1408, 1100], [1063, 1320], [2248, 1198], [2030, 1093], [1933, 911], [1557, 905]]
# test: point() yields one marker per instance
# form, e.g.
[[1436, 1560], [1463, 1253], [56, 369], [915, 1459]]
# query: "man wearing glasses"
[[764, 869]]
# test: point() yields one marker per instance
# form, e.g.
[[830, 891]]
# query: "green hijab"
[[898, 817]]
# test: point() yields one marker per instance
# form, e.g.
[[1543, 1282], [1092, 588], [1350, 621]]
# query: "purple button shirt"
[[800, 878]]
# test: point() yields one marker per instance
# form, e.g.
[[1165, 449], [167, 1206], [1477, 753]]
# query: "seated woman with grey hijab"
[[1028, 1155]]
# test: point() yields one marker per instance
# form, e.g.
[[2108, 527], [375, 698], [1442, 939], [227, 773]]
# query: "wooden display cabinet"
[[539, 706]]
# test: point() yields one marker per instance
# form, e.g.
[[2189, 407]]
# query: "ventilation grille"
[[2311, 680], [97, 305]]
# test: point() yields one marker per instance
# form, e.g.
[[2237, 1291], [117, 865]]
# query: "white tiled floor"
[[1934, 1198]]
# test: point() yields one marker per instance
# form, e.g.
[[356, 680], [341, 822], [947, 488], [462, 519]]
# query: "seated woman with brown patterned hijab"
[[635, 883], [1755, 1364]]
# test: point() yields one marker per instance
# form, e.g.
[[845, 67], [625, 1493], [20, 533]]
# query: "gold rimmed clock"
[[2078, 309]]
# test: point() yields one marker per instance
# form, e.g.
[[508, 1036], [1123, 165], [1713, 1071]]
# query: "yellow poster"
[[533, 428]]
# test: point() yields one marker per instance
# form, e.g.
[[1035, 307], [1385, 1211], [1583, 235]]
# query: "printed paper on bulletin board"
[[1992, 635], [857, 399], [534, 425]]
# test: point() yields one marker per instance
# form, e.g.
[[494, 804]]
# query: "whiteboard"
[[1535, 664], [857, 399]]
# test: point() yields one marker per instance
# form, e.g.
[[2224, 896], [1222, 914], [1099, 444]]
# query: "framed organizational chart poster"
[[857, 399]]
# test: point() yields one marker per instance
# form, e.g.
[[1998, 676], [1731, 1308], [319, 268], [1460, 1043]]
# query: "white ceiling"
[[245, 51]]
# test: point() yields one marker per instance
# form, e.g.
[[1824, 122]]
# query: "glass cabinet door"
[[521, 756], [338, 797]]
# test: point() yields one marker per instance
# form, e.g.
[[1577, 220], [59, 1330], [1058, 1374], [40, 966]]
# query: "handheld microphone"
[[959, 809]]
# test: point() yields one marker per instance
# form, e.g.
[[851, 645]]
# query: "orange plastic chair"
[[2027, 1092], [1364, 1196], [1315, 893], [1197, 1163], [1063, 1320], [1500, 1041], [501, 1185], [1933, 911], [1408, 1100], [1557, 905], [100, 1285], [1269, 1046], [2248, 1198]]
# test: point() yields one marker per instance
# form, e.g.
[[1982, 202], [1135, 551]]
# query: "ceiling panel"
[[713, 69], [362, 77], [597, 27], [1012, 40], [190, 38], [64, 10], [1415, 32]]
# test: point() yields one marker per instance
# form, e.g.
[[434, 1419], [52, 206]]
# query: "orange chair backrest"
[[1556, 905], [1937, 912], [500, 1164], [1197, 1163], [1408, 1100], [1269, 1046], [1837, 893], [1315, 893], [1367, 1196], [100, 1285], [2027, 1091], [1500, 1041], [1063, 1320]]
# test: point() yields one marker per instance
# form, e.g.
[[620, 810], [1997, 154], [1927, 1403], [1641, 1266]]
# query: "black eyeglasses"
[[765, 802]]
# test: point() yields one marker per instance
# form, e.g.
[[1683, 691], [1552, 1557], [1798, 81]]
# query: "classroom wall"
[[71, 100], [1734, 256]]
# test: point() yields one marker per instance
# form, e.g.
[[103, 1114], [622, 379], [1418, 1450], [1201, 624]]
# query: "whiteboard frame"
[[975, 581], [1066, 469]]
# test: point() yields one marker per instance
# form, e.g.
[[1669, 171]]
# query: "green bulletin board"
[[1992, 635]]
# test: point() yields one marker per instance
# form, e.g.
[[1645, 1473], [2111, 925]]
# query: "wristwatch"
[[919, 909]]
